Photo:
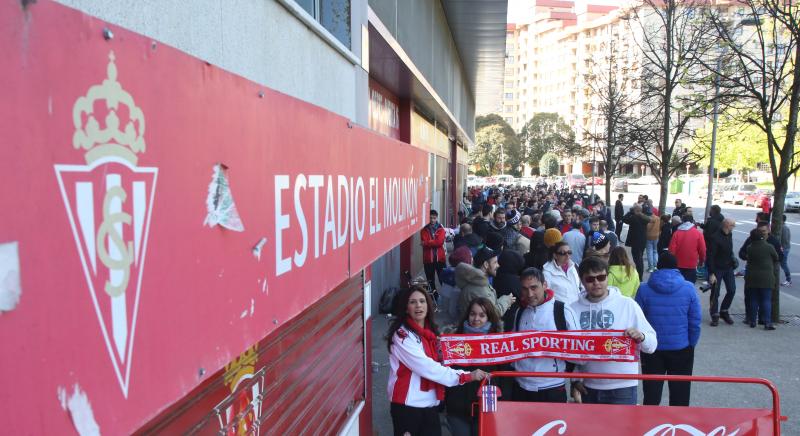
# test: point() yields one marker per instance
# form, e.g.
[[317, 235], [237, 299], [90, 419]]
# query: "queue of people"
[[545, 259]]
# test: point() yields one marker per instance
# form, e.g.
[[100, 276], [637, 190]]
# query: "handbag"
[[388, 297]]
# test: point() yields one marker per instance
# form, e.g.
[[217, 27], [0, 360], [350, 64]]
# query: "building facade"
[[227, 189]]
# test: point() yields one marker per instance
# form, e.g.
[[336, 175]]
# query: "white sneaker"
[[787, 284]]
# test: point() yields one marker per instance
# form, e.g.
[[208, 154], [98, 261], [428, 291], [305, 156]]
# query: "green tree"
[[547, 132], [485, 155], [496, 142], [739, 146], [548, 164]]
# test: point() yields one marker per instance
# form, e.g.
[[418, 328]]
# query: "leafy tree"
[[547, 132], [486, 152], [548, 164], [739, 146], [496, 144]]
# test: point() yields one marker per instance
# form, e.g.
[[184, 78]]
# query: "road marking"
[[748, 234], [790, 296]]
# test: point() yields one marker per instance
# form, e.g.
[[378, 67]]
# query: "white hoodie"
[[566, 285], [539, 318], [615, 312]]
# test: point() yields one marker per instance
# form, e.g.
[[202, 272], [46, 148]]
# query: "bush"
[[548, 164]]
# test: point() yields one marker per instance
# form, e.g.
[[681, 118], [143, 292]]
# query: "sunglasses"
[[597, 278], [564, 253]]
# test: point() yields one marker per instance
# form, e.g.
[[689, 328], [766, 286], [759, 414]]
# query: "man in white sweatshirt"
[[537, 310], [604, 308]]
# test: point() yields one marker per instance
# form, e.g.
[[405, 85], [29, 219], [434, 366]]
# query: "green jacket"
[[761, 261], [627, 284]]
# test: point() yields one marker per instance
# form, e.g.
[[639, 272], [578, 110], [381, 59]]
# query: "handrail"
[[776, 403]]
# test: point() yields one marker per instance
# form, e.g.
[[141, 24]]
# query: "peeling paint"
[[264, 286], [257, 248], [252, 306], [80, 411], [243, 315], [10, 286], [219, 202]]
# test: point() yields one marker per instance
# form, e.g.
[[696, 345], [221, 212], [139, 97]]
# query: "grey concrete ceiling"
[[479, 30]]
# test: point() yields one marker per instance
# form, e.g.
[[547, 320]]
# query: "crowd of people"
[[546, 259]]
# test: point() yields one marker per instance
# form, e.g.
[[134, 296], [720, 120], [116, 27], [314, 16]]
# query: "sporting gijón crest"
[[109, 202]]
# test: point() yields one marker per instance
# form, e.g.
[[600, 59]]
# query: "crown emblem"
[[123, 138], [240, 367]]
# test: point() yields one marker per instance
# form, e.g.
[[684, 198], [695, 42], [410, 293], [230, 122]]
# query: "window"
[[509, 96], [509, 120], [509, 109], [334, 15], [509, 84]]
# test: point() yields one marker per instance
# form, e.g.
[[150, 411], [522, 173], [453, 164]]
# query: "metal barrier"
[[508, 418]]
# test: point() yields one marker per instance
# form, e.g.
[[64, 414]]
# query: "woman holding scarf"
[[417, 378], [481, 319]]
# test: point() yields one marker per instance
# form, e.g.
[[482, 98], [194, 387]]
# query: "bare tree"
[[614, 99], [671, 35], [757, 68]]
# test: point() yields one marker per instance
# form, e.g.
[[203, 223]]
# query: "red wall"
[[176, 298]]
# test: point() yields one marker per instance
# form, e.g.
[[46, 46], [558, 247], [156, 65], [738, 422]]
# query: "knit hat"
[[551, 237], [599, 241], [483, 255], [667, 260], [513, 217], [461, 255], [494, 241]]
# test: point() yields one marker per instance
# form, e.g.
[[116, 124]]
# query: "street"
[[745, 222]]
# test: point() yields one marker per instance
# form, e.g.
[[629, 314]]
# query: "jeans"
[[611, 396], [726, 276], [552, 395], [690, 274], [652, 253], [430, 270], [461, 425], [637, 253], [784, 266], [761, 305], [671, 362], [416, 421]]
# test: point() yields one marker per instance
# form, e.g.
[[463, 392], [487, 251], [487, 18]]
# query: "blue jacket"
[[671, 306]]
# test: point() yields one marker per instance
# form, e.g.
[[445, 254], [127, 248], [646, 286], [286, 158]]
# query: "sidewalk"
[[725, 350]]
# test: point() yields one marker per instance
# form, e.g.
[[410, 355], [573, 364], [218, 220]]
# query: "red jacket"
[[688, 246], [432, 244]]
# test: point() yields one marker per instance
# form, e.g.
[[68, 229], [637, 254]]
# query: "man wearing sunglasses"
[[603, 307]]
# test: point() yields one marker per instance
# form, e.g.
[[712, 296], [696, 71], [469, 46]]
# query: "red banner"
[[468, 350], [542, 419], [163, 215]]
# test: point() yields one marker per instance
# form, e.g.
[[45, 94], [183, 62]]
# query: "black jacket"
[[507, 279], [472, 241], [619, 210], [637, 230], [719, 254], [712, 226], [665, 236], [480, 227]]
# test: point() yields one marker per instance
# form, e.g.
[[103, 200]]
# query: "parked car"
[[792, 202], [720, 189], [643, 180], [576, 181], [754, 199], [619, 184], [596, 180], [738, 192]]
